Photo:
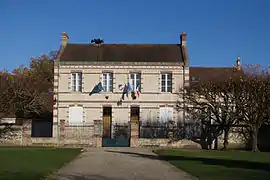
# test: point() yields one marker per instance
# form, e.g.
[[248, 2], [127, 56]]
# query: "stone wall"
[[91, 136], [87, 135], [10, 135]]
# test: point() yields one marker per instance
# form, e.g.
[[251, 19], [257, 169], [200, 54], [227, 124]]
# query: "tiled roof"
[[123, 52], [214, 74]]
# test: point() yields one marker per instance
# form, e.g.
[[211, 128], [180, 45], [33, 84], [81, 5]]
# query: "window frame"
[[77, 87], [167, 85], [136, 79], [109, 82]]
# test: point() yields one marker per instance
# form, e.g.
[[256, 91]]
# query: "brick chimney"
[[238, 64], [183, 38], [65, 39]]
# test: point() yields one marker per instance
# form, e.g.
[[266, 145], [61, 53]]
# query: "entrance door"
[[134, 113], [135, 123], [107, 122], [114, 135]]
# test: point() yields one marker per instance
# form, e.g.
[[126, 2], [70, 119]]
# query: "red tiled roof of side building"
[[212, 74]]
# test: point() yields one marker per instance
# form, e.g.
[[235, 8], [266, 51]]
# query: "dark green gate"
[[119, 136]]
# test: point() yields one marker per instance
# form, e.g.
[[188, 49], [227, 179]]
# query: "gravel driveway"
[[120, 164]]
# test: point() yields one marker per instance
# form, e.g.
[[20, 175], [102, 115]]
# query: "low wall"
[[11, 135], [79, 135], [141, 142], [75, 136], [90, 136]]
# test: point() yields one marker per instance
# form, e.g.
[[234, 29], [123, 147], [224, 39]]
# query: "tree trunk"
[[255, 131], [226, 138]]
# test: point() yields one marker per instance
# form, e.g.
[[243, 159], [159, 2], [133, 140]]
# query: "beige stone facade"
[[150, 100]]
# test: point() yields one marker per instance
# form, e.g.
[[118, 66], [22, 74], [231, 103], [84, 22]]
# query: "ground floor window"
[[75, 115], [166, 114]]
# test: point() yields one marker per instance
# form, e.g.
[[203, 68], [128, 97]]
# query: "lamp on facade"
[[119, 103]]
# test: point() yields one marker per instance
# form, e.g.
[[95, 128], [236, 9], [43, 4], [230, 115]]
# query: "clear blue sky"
[[217, 31]]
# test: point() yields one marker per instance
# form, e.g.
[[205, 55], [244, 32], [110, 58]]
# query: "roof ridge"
[[118, 44]]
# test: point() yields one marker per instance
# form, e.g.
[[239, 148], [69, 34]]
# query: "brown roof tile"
[[123, 52]]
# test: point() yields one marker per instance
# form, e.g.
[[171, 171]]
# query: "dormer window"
[[194, 79]]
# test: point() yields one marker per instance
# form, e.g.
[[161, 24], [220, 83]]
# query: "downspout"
[[184, 104]]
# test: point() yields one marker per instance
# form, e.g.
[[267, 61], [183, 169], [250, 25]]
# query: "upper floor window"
[[166, 82], [76, 81], [135, 81], [107, 81]]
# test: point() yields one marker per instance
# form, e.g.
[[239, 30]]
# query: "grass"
[[32, 163], [219, 165]]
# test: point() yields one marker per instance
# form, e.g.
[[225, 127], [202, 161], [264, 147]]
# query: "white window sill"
[[165, 92], [76, 92]]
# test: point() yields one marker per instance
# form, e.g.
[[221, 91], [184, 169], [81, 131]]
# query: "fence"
[[154, 130], [160, 130]]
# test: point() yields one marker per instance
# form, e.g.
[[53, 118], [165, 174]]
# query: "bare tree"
[[213, 102], [252, 97]]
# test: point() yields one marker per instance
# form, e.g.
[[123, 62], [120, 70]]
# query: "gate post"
[[98, 127], [134, 133], [171, 129], [26, 132], [62, 132]]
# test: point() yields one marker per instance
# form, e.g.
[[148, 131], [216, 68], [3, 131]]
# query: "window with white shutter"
[[76, 81], [135, 81], [75, 115], [166, 82], [107, 81], [166, 114]]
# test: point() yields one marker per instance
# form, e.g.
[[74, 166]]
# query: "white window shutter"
[[101, 79], [128, 78], [114, 82], [70, 82], [159, 83], [170, 113], [162, 114], [75, 115], [82, 81]]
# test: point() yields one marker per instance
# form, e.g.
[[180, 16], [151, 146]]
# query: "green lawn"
[[32, 163], [218, 165]]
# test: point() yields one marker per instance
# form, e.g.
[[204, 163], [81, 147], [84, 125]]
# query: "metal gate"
[[115, 135]]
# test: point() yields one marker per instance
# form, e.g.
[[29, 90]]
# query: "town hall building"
[[102, 85]]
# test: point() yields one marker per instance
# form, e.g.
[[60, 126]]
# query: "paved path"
[[120, 164]]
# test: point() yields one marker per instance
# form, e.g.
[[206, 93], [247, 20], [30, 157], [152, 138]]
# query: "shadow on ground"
[[81, 177], [209, 161], [10, 175]]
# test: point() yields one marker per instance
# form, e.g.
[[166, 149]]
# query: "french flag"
[[138, 90], [121, 87]]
